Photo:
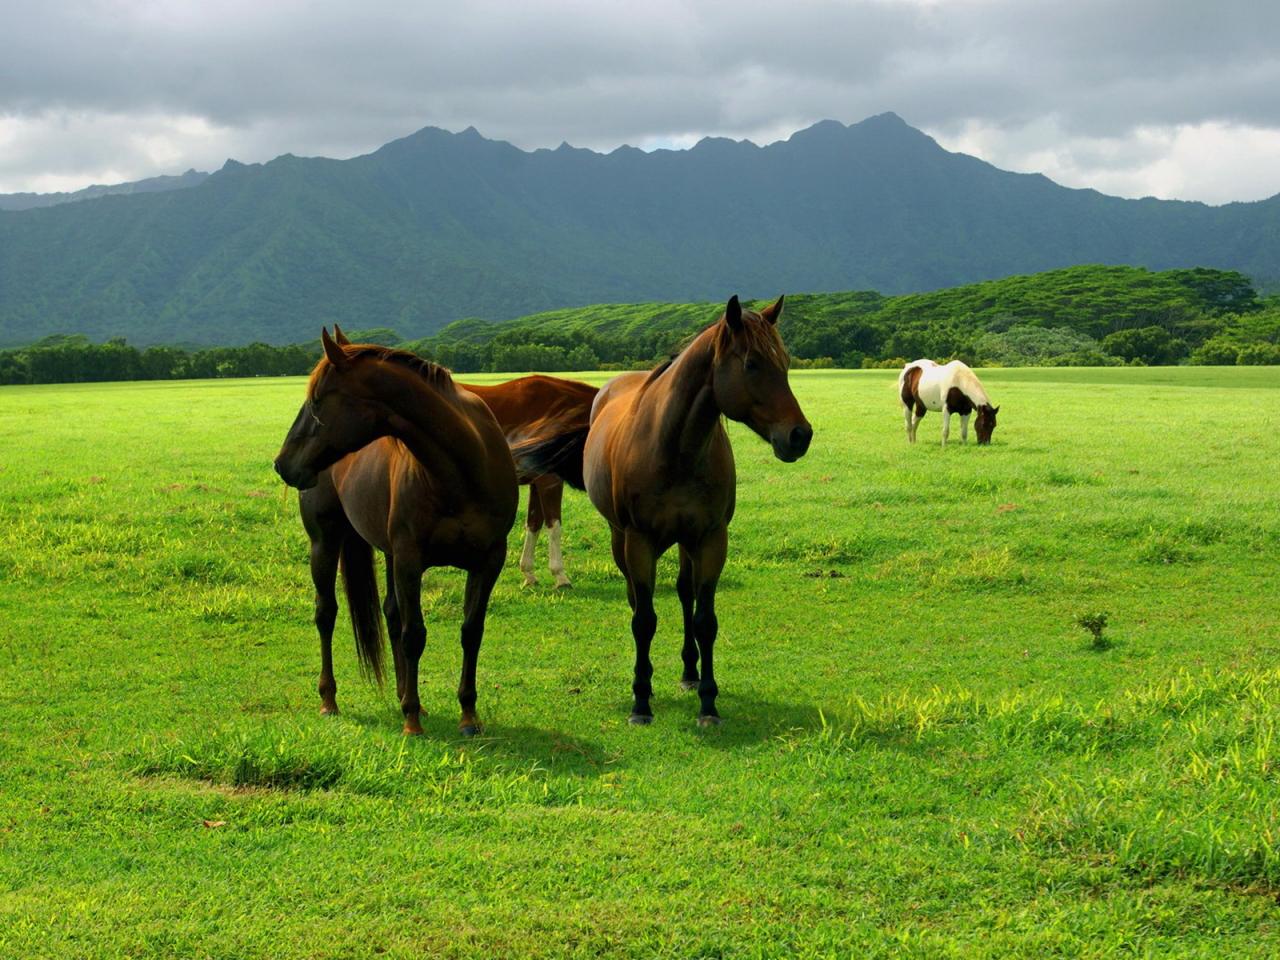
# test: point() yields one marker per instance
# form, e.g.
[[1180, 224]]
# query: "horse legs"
[[946, 425], [915, 415], [908, 418], [476, 603], [532, 524], [327, 527], [641, 569], [394, 626], [413, 636], [617, 542], [324, 572], [689, 652], [964, 428], [551, 493], [708, 561]]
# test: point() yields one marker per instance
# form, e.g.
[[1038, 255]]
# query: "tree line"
[[1080, 316]]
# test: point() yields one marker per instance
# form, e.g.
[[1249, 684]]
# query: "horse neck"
[[682, 400], [968, 383], [432, 425]]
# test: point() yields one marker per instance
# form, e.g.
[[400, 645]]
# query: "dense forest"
[[1080, 316], [440, 226]]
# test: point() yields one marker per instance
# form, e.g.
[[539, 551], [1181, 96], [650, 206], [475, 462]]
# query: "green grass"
[[922, 755]]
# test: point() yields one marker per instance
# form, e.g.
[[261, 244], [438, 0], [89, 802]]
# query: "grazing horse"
[[659, 467], [537, 404], [952, 388], [388, 452]]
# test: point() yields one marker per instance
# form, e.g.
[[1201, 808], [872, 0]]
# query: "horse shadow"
[[747, 720], [558, 751]]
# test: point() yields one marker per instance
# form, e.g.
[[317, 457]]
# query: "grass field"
[[922, 755]]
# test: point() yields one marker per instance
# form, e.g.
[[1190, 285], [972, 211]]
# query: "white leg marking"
[[946, 425], [964, 428], [555, 557], [526, 556], [911, 429]]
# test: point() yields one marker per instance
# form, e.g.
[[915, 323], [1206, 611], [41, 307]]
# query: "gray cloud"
[[132, 89]]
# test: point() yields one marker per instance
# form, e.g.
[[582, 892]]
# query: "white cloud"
[[1212, 162]]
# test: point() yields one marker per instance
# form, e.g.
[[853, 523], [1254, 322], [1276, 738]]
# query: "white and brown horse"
[[949, 388]]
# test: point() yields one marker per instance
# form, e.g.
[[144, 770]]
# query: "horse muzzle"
[[790, 445], [299, 479]]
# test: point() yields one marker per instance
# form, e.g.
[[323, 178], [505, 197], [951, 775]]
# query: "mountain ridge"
[[435, 226]]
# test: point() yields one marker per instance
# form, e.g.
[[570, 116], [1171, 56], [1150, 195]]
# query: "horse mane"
[[758, 333], [661, 368], [434, 374]]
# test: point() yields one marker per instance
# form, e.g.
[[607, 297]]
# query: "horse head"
[[750, 379], [339, 416], [986, 422]]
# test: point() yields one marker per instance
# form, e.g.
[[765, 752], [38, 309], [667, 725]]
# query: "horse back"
[[525, 400]]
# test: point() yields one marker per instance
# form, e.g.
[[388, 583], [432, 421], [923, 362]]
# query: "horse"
[[659, 468], [389, 452], [525, 407], [952, 388]]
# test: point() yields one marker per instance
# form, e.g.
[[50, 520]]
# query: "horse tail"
[[356, 563], [559, 454]]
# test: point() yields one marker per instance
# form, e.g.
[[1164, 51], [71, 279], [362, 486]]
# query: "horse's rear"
[[529, 408]]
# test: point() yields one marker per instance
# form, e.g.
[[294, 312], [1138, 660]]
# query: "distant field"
[[921, 754]]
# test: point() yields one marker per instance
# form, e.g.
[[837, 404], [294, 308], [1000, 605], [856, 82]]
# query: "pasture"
[[922, 755]]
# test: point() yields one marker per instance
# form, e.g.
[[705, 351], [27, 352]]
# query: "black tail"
[[560, 454], [356, 563]]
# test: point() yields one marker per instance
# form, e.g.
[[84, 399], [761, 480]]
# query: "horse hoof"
[[329, 710], [412, 729], [469, 729], [688, 684], [528, 582], [563, 585], [640, 719], [708, 720]]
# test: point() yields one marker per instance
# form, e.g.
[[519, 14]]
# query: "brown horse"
[[388, 452], [524, 408], [659, 467]]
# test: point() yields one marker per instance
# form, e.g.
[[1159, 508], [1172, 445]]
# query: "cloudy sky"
[[1169, 98]]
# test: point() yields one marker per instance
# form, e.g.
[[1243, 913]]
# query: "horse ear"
[[337, 356], [995, 409], [733, 313], [773, 314], [340, 337]]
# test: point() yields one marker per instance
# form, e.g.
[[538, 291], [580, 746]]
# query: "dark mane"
[[659, 370], [437, 376], [756, 334]]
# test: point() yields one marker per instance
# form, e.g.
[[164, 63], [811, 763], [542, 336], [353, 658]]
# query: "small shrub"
[[1096, 624]]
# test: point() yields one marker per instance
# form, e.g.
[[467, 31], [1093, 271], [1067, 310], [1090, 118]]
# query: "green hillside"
[[1087, 315]]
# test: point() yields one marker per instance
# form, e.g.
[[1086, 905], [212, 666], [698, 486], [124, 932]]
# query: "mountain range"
[[439, 226], [29, 201]]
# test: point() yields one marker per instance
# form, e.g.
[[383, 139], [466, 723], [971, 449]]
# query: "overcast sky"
[[1169, 98]]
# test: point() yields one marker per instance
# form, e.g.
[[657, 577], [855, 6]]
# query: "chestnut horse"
[[388, 452], [950, 388], [525, 406], [659, 467]]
